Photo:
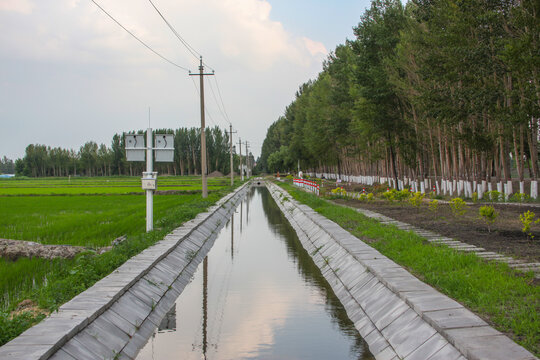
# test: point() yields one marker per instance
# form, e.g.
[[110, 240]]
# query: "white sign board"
[[149, 184], [164, 147], [135, 148]]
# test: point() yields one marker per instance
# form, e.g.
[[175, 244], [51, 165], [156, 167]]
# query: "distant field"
[[93, 186]]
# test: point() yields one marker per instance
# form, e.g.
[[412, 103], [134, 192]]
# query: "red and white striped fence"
[[307, 184]]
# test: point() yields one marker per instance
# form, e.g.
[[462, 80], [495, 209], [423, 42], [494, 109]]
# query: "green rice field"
[[89, 212]]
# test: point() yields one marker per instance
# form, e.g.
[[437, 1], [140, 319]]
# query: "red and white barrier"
[[307, 184]]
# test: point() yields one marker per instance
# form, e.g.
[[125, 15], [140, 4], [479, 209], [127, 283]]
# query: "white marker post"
[[135, 151], [150, 179]]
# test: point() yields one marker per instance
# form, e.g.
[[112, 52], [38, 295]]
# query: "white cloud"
[[104, 79], [19, 6], [315, 47]]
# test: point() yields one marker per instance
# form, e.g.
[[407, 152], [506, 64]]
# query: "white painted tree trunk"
[[534, 189]]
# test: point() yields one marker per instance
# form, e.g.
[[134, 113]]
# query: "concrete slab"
[[452, 319]]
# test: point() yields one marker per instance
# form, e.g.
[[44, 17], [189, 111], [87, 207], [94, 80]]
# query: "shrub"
[[519, 197], [474, 197], [488, 214], [390, 195], [493, 196], [416, 199], [433, 205], [458, 206], [370, 197], [403, 194], [527, 219]]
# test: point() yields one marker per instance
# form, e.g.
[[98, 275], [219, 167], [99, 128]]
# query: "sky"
[[69, 74]]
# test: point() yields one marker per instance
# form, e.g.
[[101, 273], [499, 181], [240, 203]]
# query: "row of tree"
[[447, 89], [7, 166], [99, 160]]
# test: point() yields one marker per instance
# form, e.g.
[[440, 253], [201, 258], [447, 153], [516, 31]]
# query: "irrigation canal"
[[260, 276], [257, 295]]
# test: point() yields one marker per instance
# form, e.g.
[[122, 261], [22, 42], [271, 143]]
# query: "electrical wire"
[[190, 48], [221, 98], [205, 108], [224, 115], [139, 40]]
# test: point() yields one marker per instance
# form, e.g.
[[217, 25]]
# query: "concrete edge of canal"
[[114, 318], [399, 316]]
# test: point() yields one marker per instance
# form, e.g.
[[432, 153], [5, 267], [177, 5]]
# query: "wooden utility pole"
[[230, 150], [240, 147], [201, 74], [247, 160]]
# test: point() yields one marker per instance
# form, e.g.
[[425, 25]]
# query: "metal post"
[[149, 193]]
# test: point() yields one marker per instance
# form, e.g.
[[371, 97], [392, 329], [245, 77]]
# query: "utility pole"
[[230, 143], [201, 75], [247, 160], [240, 147]]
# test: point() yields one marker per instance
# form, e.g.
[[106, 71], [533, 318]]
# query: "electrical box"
[[149, 180], [164, 147], [135, 148]]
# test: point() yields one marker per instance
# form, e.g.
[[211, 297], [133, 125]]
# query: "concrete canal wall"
[[115, 317], [399, 316]]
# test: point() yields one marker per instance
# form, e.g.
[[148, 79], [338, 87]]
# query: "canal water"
[[257, 295]]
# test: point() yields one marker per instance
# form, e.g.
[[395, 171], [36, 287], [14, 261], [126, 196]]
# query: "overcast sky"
[[69, 74]]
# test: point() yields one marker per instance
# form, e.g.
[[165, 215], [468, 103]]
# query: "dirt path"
[[505, 237]]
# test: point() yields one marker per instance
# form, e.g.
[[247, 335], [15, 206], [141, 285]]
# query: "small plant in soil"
[[474, 197], [493, 196], [433, 206], [489, 215], [458, 206], [390, 195], [519, 197], [416, 200], [527, 220]]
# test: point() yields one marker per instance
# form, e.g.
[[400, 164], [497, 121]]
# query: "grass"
[[102, 185], [80, 220], [504, 297], [91, 221]]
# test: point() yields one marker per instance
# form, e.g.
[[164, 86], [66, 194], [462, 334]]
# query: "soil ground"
[[505, 237]]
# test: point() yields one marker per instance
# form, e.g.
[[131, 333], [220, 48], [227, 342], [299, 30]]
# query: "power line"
[[221, 98], [205, 108], [139, 40], [217, 103], [190, 48]]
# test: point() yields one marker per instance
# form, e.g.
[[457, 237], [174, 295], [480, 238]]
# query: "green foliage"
[[390, 195], [433, 206], [527, 220], [493, 196], [458, 206], [417, 199], [474, 197], [99, 160], [403, 195], [519, 197], [488, 214]]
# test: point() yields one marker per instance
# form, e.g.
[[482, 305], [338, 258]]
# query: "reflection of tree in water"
[[310, 272]]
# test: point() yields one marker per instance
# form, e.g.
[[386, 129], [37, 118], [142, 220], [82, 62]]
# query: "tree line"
[[100, 160], [440, 89]]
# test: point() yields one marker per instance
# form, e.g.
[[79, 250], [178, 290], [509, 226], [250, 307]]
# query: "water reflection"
[[267, 300]]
